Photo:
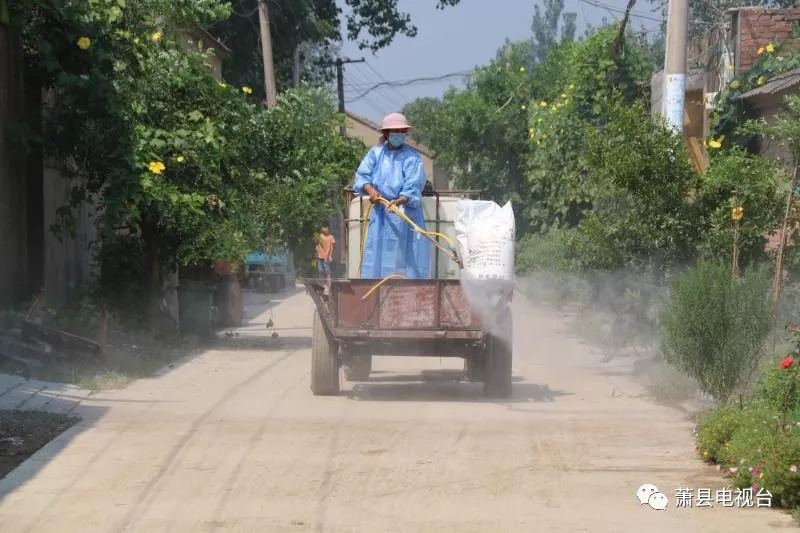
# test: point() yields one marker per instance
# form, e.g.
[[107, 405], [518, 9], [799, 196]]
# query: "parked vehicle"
[[270, 270]]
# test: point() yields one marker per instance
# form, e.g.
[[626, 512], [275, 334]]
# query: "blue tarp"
[[392, 246]]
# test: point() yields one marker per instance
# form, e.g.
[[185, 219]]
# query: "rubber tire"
[[499, 360], [358, 368], [324, 363]]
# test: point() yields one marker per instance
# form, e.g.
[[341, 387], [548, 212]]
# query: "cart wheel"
[[358, 368], [324, 364], [498, 359]]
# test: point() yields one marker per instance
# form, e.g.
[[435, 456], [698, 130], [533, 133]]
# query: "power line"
[[410, 82], [381, 78], [601, 5], [364, 84]]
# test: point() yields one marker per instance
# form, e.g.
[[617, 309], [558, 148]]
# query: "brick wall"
[[759, 26]]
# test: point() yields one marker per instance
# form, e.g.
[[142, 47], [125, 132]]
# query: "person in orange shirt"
[[325, 243]]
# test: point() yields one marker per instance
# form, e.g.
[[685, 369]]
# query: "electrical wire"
[[381, 78], [409, 82]]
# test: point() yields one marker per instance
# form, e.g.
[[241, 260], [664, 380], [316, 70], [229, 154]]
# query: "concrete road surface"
[[233, 441]]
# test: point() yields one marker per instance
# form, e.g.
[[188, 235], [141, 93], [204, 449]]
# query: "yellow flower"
[[705, 454], [770, 48], [737, 213], [731, 68], [522, 69], [735, 84], [761, 475], [157, 36], [84, 43], [714, 144], [247, 90], [571, 86], [156, 167], [523, 106], [180, 159], [542, 104], [761, 50], [222, 84], [564, 96], [761, 80], [532, 132]]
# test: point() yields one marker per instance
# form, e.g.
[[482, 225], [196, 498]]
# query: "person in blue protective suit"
[[393, 170]]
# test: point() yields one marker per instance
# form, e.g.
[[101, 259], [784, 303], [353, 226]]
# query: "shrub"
[[717, 429], [778, 387], [755, 449], [780, 468], [714, 327], [548, 251], [735, 179]]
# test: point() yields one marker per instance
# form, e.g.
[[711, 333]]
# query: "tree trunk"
[[154, 281]]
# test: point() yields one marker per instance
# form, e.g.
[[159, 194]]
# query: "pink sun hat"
[[395, 121]]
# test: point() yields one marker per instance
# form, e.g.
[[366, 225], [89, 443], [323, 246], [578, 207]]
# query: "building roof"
[[421, 148], [777, 85], [220, 49]]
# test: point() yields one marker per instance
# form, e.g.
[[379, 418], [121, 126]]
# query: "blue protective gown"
[[392, 246]]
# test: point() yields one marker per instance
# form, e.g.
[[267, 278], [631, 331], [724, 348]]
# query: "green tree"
[[593, 84], [184, 168], [545, 27], [310, 27], [381, 21]]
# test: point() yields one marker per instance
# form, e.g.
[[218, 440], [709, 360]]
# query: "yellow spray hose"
[[414, 226]]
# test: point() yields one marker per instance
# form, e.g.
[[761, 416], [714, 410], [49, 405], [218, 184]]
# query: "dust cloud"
[[490, 299], [618, 313]]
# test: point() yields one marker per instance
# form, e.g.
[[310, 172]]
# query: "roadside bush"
[[716, 430], [735, 179], [713, 328], [755, 450], [548, 251], [759, 444], [777, 387]]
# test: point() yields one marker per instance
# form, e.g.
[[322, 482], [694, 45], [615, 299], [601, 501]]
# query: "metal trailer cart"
[[405, 317]]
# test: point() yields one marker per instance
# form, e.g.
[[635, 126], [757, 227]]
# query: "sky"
[[456, 40]]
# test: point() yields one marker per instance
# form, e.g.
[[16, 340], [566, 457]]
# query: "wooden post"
[[777, 282], [735, 249]]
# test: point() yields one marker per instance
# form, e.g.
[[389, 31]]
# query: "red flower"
[[786, 363]]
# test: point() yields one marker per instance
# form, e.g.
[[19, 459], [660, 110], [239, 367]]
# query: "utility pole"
[[266, 54], [674, 87], [340, 83]]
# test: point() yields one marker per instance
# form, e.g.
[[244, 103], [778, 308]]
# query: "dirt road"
[[233, 441]]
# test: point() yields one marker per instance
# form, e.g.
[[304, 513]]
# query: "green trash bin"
[[196, 301]]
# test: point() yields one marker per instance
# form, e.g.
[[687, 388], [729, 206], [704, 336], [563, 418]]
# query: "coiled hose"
[[429, 234]]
